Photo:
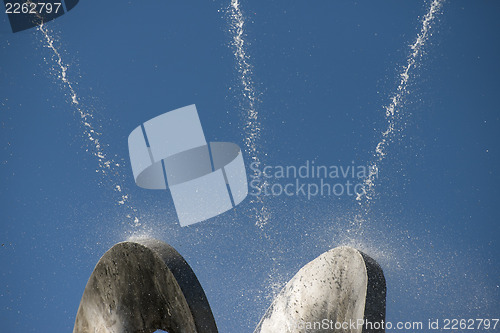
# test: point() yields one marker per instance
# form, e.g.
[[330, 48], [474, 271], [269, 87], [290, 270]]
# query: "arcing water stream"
[[393, 112], [248, 103], [109, 169]]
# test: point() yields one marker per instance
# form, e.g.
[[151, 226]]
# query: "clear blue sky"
[[323, 72]]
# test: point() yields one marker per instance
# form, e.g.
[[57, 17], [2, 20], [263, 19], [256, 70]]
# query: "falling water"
[[252, 125], [107, 167], [393, 111]]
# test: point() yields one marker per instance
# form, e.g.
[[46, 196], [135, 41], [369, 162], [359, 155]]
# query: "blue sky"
[[322, 72]]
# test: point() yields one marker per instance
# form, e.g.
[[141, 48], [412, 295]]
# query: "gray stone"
[[140, 287], [340, 287], [143, 286]]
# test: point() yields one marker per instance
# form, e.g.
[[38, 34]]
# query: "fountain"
[[146, 285]]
